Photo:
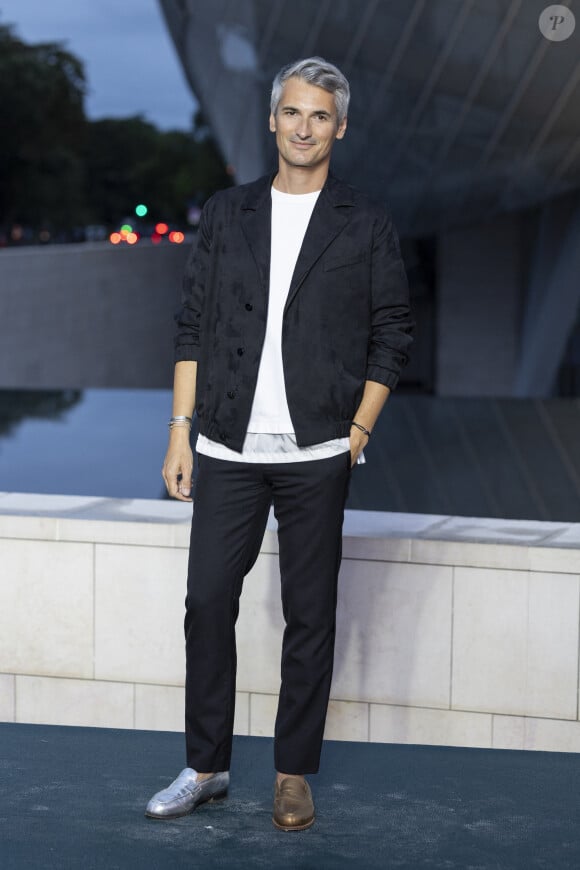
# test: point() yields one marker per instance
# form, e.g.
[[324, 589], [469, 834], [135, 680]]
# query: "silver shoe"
[[186, 793]]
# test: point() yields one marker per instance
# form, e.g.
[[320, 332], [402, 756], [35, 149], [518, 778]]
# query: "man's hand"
[[358, 441], [178, 461]]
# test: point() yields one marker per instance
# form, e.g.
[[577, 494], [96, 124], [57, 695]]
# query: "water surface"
[[92, 442]]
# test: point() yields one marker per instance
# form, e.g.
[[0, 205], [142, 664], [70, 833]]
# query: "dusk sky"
[[130, 64]]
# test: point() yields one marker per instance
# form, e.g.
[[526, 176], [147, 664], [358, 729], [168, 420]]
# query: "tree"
[[130, 161], [119, 150], [42, 89], [60, 171]]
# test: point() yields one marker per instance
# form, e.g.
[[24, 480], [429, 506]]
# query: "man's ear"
[[272, 123], [341, 129]]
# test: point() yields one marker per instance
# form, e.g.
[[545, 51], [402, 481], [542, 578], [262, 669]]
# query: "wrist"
[[361, 428], [179, 430]]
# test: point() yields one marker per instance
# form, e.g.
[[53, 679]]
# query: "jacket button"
[[240, 351], [249, 306], [231, 394]]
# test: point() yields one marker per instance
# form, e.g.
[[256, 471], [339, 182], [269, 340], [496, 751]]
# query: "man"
[[294, 328]]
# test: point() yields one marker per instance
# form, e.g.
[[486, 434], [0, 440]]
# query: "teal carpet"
[[74, 798]]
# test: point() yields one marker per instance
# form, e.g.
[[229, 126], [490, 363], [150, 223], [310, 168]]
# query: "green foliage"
[[42, 90], [130, 161], [59, 170]]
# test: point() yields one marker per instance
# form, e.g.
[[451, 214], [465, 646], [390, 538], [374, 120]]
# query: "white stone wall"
[[451, 630]]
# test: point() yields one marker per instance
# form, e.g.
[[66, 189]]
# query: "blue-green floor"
[[74, 798]]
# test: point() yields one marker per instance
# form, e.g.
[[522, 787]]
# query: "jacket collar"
[[334, 190]]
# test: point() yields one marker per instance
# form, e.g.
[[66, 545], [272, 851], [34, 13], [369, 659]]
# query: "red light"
[[155, 238], [161, 229], [115, 238], [131, 238], [176, 237]]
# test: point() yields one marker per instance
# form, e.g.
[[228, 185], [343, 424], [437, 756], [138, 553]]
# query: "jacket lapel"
[[329, 218], [257, 224], [331, 213]]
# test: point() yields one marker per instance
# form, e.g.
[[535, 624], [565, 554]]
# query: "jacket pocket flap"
[[345, 259]]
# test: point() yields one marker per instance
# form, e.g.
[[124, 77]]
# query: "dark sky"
[[130, 63]]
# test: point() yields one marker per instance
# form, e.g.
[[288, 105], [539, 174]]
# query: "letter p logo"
[[557, 23]]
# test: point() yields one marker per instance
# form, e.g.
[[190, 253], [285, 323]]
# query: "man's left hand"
[[358, 441]]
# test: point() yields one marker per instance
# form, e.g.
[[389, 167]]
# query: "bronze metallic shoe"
[[186, 793], [293, 805]]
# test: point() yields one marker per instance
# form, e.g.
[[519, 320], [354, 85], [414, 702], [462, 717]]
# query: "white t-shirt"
[[270, 433], [290, 216]]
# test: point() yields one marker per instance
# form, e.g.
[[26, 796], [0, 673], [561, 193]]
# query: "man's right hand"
[[178, 461]]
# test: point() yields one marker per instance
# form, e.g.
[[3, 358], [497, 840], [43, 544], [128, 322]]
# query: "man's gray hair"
[[315, 71]]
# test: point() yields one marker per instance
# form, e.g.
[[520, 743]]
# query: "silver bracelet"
[[180, 419]]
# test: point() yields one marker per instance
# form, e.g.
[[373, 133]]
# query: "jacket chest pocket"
[[341, 261]]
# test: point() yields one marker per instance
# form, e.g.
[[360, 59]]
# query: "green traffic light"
[[141, 210]]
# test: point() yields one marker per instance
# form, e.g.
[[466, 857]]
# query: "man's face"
[[305, 124]]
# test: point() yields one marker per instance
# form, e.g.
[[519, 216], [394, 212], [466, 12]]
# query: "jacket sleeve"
[[188, 316], [392, 324]]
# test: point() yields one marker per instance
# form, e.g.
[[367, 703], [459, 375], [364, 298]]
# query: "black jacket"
[[346, 318]]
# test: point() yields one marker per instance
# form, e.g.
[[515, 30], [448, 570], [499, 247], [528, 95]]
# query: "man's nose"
[[304, 128]]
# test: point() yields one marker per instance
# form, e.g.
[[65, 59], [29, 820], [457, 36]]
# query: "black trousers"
[[231, 505]]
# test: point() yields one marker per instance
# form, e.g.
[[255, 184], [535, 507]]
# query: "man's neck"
[[297, 180]]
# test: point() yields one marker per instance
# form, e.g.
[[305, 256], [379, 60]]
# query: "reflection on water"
[[107, 443], [16, 405]]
